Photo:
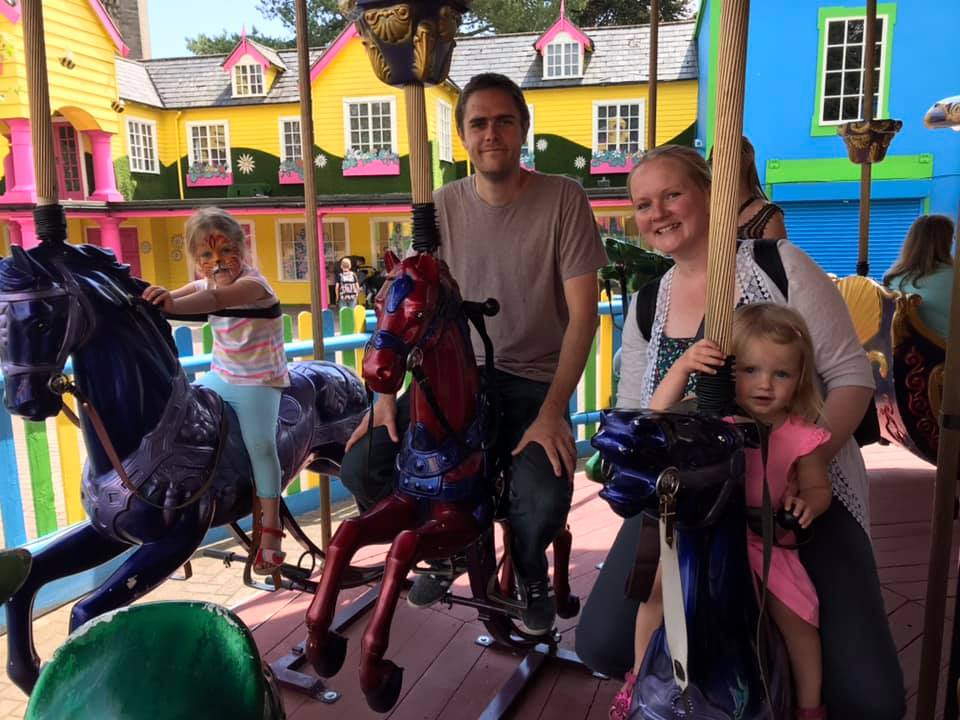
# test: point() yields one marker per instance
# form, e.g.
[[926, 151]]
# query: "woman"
[[925, 268], [757, 218], [670, 190]]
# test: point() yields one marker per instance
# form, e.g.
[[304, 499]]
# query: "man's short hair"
[[494, 81]]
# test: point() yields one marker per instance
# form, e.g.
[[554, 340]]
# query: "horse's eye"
[[419, 315]]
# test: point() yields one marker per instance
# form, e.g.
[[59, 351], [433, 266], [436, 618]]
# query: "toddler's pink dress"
[[787, 579]]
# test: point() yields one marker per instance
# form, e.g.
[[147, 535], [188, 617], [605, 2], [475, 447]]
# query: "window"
[[562, 60], [369, 125], [247, 79], [142, 145], [335, 246], [68, 167], [293, 250], [290, 148], [445, 131], [209, 148], [617, 128], [391, 234], [839, 96], [527, 150]]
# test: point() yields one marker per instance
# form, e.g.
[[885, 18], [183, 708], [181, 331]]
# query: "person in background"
[[757, 218], [348, 286], [925, 268]]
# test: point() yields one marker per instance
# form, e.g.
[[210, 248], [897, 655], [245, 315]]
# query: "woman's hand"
[[384, 415], [160, 296]]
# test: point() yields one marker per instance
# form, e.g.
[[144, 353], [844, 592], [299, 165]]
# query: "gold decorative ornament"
[[907, 322], [864, 299], [392, 24], [880, 360], [867, 142], [423, 44]]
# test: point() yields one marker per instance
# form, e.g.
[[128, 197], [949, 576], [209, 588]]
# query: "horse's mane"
[[41, 266]]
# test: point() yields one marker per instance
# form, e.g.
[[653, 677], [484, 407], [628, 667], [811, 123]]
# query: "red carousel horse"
[[445, 487]]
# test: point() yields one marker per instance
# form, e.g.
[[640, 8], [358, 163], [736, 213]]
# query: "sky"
[[171, 21]]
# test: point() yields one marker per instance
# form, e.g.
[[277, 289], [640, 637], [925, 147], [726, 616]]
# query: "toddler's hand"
[[703, 356], [159, 296], [800, 509]]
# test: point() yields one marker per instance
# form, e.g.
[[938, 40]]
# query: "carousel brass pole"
[[317, 279], [866, 169], [731, 73], [652, 75], [39, 93]]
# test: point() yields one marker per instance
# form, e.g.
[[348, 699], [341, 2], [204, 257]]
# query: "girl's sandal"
[[817, 713], [621, 703], [267, 560]]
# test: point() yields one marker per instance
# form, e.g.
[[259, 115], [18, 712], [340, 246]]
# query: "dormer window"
[[563, 59], [247, 79]]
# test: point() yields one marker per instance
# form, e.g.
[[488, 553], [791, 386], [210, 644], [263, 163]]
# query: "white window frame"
[[879, 78], [280, 276], [152, 124], [248, 64], [560, 44], [283, 140], [209, 123], [347, 102], [332, 278], [445, 130], [377, 261], [641, 129]]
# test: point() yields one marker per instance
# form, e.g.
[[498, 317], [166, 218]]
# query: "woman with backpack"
[[670, 190]]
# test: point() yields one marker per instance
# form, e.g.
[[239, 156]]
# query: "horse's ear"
[[390, 260], [20, 258]]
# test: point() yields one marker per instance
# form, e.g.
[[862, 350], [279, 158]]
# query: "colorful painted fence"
[[41, 462]]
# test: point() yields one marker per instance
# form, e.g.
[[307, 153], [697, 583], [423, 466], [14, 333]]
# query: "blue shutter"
[[829, 231]]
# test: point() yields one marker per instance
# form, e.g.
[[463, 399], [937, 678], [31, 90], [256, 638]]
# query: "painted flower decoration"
[[542, 144], [246, 164], [320, 161], [580, 162]]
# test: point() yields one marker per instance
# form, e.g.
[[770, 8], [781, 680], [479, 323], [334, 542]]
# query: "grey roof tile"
[[135, 83], [621, 55]]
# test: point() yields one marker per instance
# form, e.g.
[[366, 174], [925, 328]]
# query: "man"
[[530, 241]]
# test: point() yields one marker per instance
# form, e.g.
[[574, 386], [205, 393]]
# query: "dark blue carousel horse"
[[186, 466], [446, 473], [687, 471]]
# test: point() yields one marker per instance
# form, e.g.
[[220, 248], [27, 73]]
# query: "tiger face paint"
[[219, 259]]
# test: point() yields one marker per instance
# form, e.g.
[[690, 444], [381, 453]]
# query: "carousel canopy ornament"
[[867, 140], [944, 114], [409, 42]]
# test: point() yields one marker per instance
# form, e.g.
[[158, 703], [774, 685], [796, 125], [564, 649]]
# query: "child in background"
[[249, 367], [348, 286], [776, 385]]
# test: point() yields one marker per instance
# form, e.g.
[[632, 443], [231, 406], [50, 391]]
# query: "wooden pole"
[[311, 219], [866, 170], [421, 189], [652, 75], [39, 92], [941, 536], [731, 74]]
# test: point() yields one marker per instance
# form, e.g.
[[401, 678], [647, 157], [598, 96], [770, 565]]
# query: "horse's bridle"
[[77, 332]]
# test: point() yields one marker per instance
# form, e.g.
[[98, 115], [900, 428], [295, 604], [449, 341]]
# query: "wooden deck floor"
[[448, 675]]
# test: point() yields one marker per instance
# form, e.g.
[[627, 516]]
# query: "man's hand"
[[384, 415], [552, 432]]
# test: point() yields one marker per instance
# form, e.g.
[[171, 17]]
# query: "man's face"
[[492, 133]]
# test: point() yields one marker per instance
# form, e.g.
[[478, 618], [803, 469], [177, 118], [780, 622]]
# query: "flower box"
[[359, 164], [209, 175]]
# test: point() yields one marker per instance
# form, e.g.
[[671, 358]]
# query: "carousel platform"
[[448, 675]]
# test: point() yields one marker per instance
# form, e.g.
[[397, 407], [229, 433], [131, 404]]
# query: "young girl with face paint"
[[249, 368]]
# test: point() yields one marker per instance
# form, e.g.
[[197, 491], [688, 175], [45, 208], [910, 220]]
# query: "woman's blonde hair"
[[212, 219], [689, 159], [784, 326], [927, 247]]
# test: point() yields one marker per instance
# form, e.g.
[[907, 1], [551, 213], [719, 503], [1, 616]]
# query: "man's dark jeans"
[[539, 500]]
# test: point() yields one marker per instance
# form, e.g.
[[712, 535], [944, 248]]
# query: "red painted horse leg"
[[442, 536], [379, 525]]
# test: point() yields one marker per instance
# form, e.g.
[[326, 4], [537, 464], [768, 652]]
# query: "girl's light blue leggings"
[[257, 408]]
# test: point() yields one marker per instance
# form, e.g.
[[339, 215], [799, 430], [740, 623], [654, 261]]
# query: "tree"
[[324, 19], [628, 12], [226, 41], [510, 16]]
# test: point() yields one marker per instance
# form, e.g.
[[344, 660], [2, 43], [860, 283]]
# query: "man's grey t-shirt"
[[520, 254]]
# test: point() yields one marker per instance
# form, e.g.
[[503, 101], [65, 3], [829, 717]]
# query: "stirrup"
[[267, 560]]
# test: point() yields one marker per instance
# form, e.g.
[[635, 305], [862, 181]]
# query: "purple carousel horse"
[[186, 465]]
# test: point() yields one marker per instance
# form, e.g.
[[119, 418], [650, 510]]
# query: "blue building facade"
[[804, 69]]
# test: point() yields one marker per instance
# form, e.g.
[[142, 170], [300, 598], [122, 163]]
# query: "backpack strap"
[[647, 306]]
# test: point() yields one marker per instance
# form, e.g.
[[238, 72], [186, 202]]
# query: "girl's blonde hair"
[[784, 326], [213, 219], [926, 248], [689, 159]]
